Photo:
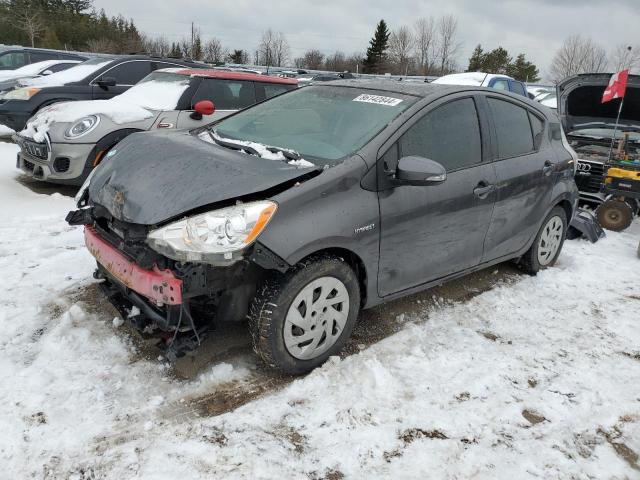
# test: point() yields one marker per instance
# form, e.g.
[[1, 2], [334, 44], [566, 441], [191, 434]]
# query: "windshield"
[[157, 91], [319, 122], [73, 74]]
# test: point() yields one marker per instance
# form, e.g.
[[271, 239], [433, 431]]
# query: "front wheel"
[[548, 243], [301, 318]]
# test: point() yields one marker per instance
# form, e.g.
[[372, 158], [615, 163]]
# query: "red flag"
[[617, 86]]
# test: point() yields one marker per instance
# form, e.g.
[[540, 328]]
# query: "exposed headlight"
[[82, 126], [21, 94], [213, 237]]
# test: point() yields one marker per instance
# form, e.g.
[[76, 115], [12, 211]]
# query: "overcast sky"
[[536, 28]]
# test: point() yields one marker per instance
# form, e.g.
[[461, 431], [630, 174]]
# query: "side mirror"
[[46, 72], [106, 82], [203, 107], [419, 171]]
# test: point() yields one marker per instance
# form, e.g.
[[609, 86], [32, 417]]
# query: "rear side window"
[[512, 128], [537, 127], [226, 94], [13, 60], [60, 66], [450, 135], [42, 56], [129, 73], [501, 85], [268, 90], [518, 88]]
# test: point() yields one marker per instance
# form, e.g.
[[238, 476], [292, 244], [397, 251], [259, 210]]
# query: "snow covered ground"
[[537, 378]]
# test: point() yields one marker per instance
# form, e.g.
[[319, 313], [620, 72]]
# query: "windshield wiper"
[[232, 145], [288, 154]]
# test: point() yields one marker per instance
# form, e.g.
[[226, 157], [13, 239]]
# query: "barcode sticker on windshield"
[[390, 101]]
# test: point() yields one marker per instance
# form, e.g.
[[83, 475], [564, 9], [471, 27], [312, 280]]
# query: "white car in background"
[[481, 79], [11, 78]]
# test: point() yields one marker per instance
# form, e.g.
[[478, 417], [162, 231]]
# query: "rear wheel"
[[548, 243], [614, 215], [301, 318]]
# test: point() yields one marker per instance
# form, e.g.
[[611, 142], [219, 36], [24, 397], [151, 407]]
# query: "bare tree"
[[28, 19], [156, 46], [425, 44], [448, 45], [401, 44], [213, 51], [273, 49], [312, 59], [625, 56], [336, 62], [578, 55], [264, 54], [102, 45], [281, 50]]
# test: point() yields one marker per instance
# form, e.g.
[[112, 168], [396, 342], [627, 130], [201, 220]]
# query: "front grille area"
[[61, 164], [35, 149], [589, 176]]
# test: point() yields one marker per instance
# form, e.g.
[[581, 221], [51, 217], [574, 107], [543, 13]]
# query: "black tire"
[[529, 262], [268, 311], [614, 215]]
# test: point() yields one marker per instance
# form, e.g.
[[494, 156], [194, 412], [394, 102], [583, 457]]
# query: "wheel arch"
[[567, 207], [353, 260]]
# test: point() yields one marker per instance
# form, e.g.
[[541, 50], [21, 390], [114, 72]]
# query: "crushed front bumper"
[[159, 286]]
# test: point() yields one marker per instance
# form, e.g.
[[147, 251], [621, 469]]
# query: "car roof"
[[421, 89], [222, 74], [424, 90], [469, 78]]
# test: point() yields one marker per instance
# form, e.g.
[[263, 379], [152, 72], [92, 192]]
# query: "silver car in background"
[[62, 143]]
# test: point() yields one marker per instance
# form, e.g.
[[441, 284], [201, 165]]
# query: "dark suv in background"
[[98, 78], [301, 210], [16, 57]]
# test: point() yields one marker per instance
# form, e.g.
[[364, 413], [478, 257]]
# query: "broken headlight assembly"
[[213, 237]]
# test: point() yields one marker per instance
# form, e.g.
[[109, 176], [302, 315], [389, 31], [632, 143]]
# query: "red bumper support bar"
[[158, 285]]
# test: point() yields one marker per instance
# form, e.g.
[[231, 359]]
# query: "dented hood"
[[153, 177], [580, 103]]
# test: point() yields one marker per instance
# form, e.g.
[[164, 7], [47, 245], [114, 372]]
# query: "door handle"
[[483, 190], [547, 169]]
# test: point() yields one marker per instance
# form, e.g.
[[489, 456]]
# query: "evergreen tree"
[[50, 39], [175, 52], [523, 70], [375, 59], [496, 61], [196, 50], [476, 62]]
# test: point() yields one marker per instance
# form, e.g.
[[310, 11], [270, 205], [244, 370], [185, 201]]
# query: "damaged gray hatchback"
[[300, 211]]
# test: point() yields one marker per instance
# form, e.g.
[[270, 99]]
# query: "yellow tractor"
[[622, 187]]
